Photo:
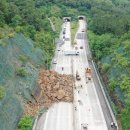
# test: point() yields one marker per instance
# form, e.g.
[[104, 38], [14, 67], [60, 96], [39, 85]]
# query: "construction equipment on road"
[[88, 73], [77, 76]]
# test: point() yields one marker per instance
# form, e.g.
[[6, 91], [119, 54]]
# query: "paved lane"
[[89, 102], [90, 112], [60, 115]]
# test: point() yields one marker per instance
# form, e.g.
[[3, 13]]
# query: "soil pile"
[[54, 87]]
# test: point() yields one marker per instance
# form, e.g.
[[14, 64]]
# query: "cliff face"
[[19, 68]]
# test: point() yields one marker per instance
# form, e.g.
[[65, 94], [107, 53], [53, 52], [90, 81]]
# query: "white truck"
[[71, 52]]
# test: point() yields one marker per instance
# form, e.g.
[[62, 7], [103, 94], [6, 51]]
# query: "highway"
[[60, 115], [89, 107], [107, 111]]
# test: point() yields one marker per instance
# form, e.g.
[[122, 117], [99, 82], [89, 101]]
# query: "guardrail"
[[106, 96]]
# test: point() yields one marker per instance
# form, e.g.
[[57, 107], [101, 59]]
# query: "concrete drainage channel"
[[35, 123]]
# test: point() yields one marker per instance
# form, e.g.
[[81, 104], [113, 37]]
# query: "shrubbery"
[[21, 72], [23, 58], [2, 92], [25, 123]]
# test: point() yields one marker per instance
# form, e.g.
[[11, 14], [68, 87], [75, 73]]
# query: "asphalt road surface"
[[60, 115], [108, 114], [89, 108]]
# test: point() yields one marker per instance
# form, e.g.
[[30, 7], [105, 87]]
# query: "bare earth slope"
[[54, 88]]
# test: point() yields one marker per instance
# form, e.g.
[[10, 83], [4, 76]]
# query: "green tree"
[[16, 20], [125, 83]]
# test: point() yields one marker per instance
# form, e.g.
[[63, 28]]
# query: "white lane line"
[[99, 105], [79, 116], [89, 99], [71, 122], [45, 123], [86, 100], [97, 98]]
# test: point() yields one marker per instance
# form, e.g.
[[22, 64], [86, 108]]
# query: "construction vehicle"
[[88, 73], [77, 76]]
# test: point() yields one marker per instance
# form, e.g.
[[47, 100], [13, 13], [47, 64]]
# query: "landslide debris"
[[54, 87]]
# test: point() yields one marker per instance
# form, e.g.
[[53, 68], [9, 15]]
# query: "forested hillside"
[[108, 33]]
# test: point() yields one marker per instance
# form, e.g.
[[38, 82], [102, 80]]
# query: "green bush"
[[11, 35], [125, 118], [2, 92], [112, 84], [21, 72], [23, 58], [18, 29], [105, 67], [26, 123]]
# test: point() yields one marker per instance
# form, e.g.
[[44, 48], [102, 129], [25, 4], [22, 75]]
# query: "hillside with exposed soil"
[[54, 88]]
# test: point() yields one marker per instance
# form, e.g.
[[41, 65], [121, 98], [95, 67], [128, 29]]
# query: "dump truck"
[[88, 73], [77, 76]]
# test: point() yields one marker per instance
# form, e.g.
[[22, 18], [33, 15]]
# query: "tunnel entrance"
[[66, 19], [81, 17]]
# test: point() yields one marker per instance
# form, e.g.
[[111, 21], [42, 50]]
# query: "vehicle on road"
[[71, 52], [64, 31], [81, 47], [83, 30], [84, 126], [54, 61], [113, 125], [88, 72], [77, 76], [58, 49]]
